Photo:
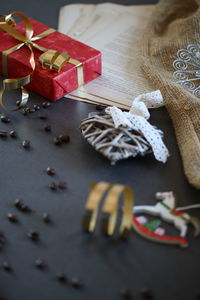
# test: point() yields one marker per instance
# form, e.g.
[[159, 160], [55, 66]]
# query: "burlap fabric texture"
[[174, 25]]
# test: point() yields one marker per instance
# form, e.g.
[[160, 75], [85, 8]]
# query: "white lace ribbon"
[[137, 117]]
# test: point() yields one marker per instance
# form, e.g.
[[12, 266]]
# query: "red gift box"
[[50, 83]]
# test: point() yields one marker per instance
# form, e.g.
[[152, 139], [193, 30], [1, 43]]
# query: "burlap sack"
[[174, 25]]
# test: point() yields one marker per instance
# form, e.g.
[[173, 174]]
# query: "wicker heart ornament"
[[118, 135], [114, 143]]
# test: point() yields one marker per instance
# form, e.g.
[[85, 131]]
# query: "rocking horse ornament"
[[167, 212]]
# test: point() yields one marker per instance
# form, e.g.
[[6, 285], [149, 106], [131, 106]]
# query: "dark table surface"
[[104, 266]]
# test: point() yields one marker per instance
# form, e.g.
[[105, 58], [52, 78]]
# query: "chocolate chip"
[[12, 218], [50, 171], [13, 133], [27, 109], [76, 283], [64, 138], [37, 107], [5, 119], [24, 111], [33, 235], [62, 184], [31, 110], [3, 133], [57, 141], [25, 208], [18, 203], [100, 107], [53, 186], [22, 206], [126, 293], [46, 218], [146, 293], [47, 128], [40, 263], [43, 117], [46, 104], [6, 266], [26, 144], [61, 277]]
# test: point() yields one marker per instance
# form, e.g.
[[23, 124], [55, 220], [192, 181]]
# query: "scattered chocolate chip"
[[33, 235], [37, 107], [27, 109], [43, 117], [25, 208], [24, 111], [26, 144], [46, 104], [126, 293], [46, 218], [100, 107], [22, 206], [62, 184], [57, 141], [13, 133], [76, 283], [47, 128], [61, 277], [3, 133], [18, 203], [5, 119], [40, 263], [6, 266], [12, 218], [64, 138], [31, 110], [53, 186], [146, 293], [50, 171]]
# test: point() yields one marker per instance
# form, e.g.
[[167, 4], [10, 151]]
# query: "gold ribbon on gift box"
[[49, 58]]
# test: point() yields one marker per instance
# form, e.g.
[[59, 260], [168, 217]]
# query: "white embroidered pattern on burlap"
[[187, 66]]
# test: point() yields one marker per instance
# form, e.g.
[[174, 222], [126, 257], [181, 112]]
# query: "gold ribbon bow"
[[51, 58], [109, 209]]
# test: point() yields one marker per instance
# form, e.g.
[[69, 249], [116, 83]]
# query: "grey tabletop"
[[104, 266]]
